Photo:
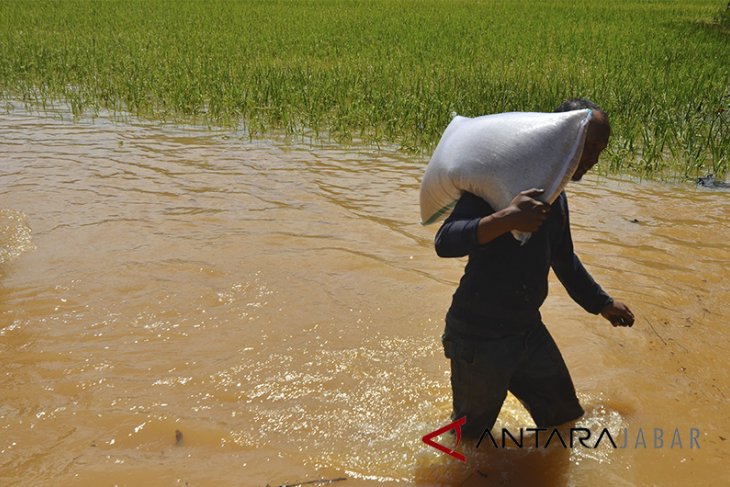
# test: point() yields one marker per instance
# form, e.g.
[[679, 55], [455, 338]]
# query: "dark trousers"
[[528, 364]]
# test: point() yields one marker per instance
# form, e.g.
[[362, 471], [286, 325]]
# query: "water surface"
[[279, 305]]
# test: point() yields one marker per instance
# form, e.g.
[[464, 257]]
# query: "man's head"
[[599, 131]]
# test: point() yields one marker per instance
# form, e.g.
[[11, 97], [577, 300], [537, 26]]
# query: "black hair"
[[578, 104]]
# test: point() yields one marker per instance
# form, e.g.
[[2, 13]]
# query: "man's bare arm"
[[524, 214]]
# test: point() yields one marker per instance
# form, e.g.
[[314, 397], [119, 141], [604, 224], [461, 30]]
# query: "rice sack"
[[497, 156]]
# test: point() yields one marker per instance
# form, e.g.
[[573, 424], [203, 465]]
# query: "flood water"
[[181, 306]]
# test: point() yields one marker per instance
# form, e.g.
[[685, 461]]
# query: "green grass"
[[389, 71]]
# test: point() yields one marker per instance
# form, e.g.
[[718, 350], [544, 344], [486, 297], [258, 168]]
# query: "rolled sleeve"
[[457, 237]]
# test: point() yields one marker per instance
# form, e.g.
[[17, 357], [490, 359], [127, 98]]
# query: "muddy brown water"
[[181, 306]]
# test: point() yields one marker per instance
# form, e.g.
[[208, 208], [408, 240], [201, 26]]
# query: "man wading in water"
[[494, 334]]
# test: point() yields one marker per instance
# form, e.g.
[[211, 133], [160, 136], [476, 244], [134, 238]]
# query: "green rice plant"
[[385, 71]]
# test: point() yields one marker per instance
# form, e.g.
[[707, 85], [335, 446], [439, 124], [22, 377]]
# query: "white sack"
[[497, 156]]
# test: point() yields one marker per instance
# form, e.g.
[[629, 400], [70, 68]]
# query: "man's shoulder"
[[562, 203], [471, 199], [469, 205], [562, 199]]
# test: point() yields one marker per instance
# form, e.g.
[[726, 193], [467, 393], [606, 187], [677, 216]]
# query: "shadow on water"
[[487, 466]]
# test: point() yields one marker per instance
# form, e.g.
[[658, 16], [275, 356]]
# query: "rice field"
[[386, 72]]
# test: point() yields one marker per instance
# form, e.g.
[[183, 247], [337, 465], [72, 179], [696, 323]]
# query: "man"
[[494, 334]]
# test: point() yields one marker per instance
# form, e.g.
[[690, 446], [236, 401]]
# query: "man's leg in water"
[[542, 382], [481, 370]]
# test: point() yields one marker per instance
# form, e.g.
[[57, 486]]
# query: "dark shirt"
[[505, 283]]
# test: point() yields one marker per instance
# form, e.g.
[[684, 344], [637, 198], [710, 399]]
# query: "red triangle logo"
[[428, 439]]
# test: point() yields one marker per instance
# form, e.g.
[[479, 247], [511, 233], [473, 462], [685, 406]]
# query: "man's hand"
[[525, 213], [618, 314]]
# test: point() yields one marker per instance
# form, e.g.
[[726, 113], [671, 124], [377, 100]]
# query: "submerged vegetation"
[[387, 71]]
